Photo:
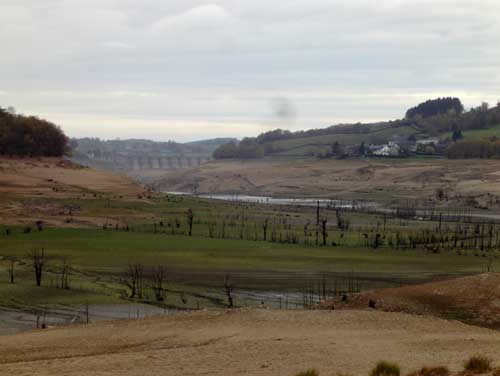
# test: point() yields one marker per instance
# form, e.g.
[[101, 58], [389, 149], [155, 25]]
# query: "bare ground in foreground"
[[247, 342]]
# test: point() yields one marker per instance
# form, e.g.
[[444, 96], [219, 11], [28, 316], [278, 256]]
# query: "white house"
[[391, 149]]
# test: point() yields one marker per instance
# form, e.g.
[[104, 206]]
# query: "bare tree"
[[39, 225], [342, 223], [38, 258], [324, 233], [211, 229], [64, 272], [317, 222], [134, 279], [228, 289], [190, 217], [11, 269], [489, 263], [158, 279], [265, 225]]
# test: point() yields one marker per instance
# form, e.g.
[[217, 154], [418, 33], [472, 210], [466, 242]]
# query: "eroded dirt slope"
[[50, 189], [474, 299], [468, 183], [56, 177]]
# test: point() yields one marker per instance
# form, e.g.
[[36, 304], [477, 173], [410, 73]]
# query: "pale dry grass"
[[250, 342], [56, 177], [39, 189]]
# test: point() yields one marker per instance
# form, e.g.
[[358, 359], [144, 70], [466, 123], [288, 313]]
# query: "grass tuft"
[[431, 371], [386, 369], [309, 372], [496, 372], [478, 364]]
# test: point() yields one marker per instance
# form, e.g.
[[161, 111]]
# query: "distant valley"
[[143, 158]]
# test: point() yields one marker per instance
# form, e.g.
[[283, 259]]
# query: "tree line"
[[433, 107], [475, 149], [248, 148], [30, 136]]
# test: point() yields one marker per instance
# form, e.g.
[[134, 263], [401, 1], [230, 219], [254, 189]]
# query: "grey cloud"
[[212, 60]]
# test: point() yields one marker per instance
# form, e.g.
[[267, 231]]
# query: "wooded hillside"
[[30, 136]]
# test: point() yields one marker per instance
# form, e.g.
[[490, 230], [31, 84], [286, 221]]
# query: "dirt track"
[[256, 342]]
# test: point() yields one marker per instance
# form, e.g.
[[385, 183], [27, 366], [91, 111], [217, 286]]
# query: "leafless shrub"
[[38, 260], [431, 371], [478, 364], [158, 279], [265, 226], [228, 289], [190, 217], [133, 279], [385, 369], [11, 268], [64, 274], [39, 225]]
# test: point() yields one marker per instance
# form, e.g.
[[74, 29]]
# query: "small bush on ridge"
[[478, 364], [431, 371], [386, 369], [309, 372]]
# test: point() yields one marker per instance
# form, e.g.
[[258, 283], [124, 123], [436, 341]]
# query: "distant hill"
[[137, 154], [439, 119]]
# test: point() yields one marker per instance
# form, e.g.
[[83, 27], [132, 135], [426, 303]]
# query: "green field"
[[479, 134], [265, 250], [110, 250], [306, 145], [482, 133], [196, 265]]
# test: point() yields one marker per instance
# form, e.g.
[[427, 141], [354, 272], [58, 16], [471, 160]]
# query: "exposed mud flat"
[[471, 183], [15, 321]]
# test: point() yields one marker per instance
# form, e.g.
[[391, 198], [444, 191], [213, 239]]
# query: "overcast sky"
[[186, 70]]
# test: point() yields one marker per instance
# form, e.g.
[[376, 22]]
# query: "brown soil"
[[383, 179], [248, 342], [56, 177], [27, 186], [474, 299]]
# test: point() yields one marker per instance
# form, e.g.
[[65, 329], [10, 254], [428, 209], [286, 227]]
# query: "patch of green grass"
[[196, 266], [110, 249], [479, 134], [98, 258], [25, 294]]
